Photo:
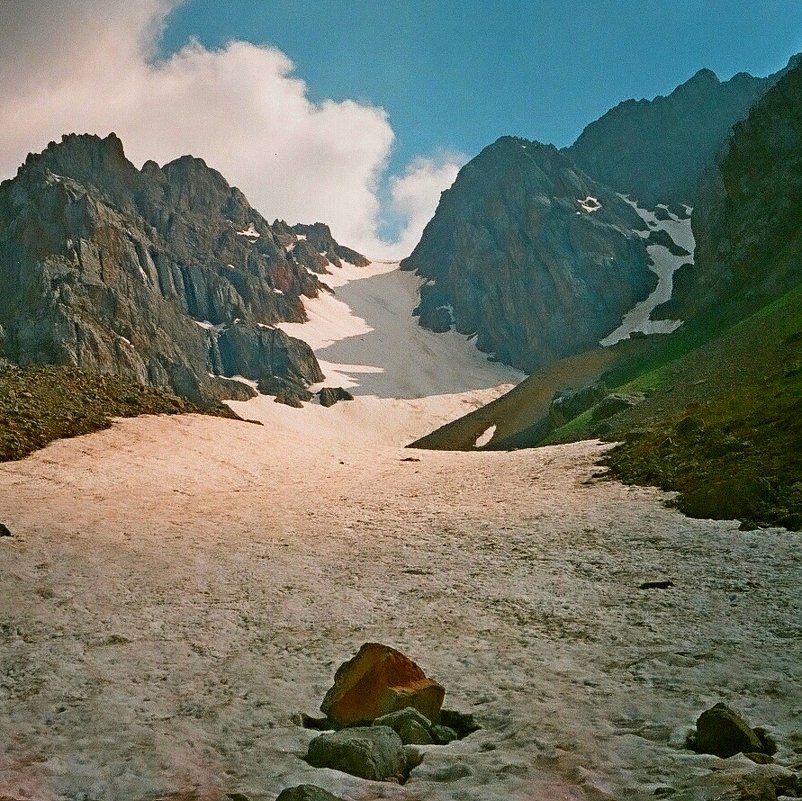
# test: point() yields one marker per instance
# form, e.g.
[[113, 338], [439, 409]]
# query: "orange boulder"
[[379, 680]]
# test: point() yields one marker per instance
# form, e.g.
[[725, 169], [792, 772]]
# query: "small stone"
[[412, 733], [5, 531], [661, 584], [443, 735], [396, 720], [306, 792]]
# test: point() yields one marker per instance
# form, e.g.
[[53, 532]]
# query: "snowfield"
[[179, 589]]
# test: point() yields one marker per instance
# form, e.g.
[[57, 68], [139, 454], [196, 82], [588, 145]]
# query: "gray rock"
[[306, 792], [396, 720], [413, 733], [5, 531], [723, 732], [370, 752], [569, 403], [331, 395], [614, 403], [443, 735]]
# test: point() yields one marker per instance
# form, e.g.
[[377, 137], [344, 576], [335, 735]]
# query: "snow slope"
[[403, 377], [179, 589], [664, 265]]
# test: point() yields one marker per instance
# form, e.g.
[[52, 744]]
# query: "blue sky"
[[457, 74]]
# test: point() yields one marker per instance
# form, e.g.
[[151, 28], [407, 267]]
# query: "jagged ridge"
[[112, 269], [659, 150]]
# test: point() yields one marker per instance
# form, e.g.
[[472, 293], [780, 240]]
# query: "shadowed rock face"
[[658, 150], [749, 228], [531, 255], [111, 269]]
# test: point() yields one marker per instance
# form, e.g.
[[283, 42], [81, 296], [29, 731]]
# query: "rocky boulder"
[[614, 403], [723, 732], [373, 752], [410, 725], [377, 681], [570, 403], [331, 395]]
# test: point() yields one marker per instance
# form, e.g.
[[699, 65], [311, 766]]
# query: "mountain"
[[749, 228], [531, 255], [714, 410], [165, 274], [658, 150]]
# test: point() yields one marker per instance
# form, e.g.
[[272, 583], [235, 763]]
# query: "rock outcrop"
[[306, 792], [377, 681], [164, 274], [531, 255], [659, 150], [748, 228]]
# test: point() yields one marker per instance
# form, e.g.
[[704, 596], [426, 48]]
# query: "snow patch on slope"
[[664, 265]]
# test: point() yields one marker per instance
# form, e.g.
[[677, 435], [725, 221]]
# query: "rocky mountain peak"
[[531, 255], [166, 274], [79, 156], [703, 76], [659, 150]]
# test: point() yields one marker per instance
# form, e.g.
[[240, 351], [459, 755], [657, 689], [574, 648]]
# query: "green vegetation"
[[40, 404], [722, 422]]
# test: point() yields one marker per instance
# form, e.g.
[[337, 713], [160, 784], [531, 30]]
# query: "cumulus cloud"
[[415, 194], [75, 65]]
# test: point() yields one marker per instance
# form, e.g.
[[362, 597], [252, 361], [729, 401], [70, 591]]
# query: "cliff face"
[[659, 150], [531, 255], [748, 226], [145, 272]]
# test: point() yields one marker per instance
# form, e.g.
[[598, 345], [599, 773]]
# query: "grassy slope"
[[40, 404], [722, 423]]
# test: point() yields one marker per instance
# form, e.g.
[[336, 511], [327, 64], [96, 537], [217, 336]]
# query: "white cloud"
[[76, 65], [415, 195]]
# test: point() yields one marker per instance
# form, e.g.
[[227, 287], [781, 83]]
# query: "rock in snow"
[[306, 792], [723, 732], [379, 680], [410, 725], [370, 752]]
